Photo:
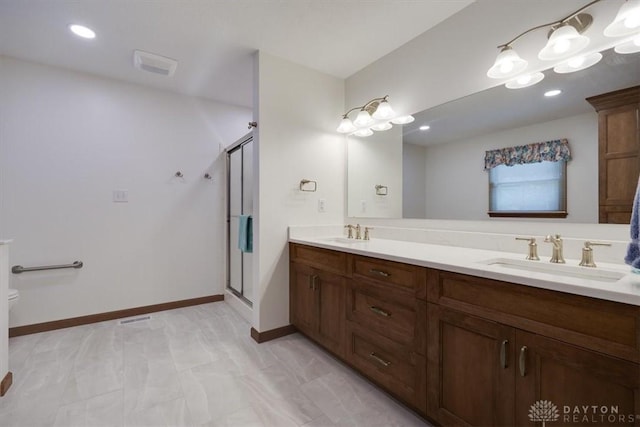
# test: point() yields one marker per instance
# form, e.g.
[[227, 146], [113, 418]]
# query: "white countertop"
[[475, 262]]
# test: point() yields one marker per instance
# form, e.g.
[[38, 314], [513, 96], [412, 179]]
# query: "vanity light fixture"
[[82, 31], [508, 64], [375, 115], [403, 120], [578, 63], [525, 80], [565, 41], [626, 22], [630, 46]]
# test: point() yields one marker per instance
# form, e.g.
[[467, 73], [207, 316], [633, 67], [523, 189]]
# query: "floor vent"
[[135, 319]]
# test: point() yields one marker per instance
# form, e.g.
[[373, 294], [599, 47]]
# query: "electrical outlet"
[[321, 205], [120, 196]]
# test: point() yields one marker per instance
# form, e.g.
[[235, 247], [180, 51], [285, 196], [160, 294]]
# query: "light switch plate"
[[120, 196]]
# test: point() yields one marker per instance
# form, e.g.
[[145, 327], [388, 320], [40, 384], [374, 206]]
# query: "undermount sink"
[[588, 273], [343, 240]]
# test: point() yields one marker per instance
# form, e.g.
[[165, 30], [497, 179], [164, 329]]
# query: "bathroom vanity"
[[466, 342]]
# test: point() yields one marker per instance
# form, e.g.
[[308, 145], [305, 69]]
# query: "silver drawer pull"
[[379, 272], [503, 354], [379, 359], [378, 310], [523, 361]]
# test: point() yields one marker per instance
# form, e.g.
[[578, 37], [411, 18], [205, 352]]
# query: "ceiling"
[[214, 40]]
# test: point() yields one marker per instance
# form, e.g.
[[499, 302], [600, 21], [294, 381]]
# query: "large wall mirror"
[[438, 173]]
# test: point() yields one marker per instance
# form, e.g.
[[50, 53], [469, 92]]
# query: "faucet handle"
[[587, 253], [366, 233], [533, 248], [349, 228]]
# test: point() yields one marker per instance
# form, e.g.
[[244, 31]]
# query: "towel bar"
[[17, 269]]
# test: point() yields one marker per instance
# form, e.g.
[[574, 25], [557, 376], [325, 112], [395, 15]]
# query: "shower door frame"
[[238, 145]]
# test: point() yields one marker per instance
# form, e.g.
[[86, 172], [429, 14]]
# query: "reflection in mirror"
[[443, 176], [374, 174]]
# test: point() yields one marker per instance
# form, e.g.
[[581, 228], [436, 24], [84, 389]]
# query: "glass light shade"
[[382, 126], [508, 64], [82, 31], [363, 132], [525, 80], [627, 20], [630, 46], [402, 120], [363, 120], [384, 111], [578, 63], [346, 126], [565, 41]]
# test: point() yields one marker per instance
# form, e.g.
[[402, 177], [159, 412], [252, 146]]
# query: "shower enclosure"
[[239, 202]]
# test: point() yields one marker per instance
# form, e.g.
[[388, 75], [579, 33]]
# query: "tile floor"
[[194, 366]]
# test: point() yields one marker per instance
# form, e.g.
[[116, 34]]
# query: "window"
[[533, 189], [529, 180]]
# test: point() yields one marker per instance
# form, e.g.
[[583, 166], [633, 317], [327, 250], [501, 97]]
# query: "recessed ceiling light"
[[82, 31], [425, 127], [554, 92]]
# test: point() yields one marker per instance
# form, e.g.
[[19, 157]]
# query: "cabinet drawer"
[[404, 277], [324, 259], [394, 367], [605, 326], [392, 314]]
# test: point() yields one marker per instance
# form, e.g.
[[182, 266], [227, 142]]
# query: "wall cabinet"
[[618, 152], [469, 351]]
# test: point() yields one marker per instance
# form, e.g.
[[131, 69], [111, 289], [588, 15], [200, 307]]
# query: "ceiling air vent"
[[153, 63]]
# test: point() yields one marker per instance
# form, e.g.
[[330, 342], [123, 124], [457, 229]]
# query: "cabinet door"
[[470, 369], [330, 308], [585, 387], [302, 309]]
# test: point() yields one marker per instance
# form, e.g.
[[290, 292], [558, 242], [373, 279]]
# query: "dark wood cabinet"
[[317, 306], [471, 351], [484, 369], [618, 152], [470, 369], [587, 387]]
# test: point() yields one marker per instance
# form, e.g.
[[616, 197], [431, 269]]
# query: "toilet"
[[14, 296]]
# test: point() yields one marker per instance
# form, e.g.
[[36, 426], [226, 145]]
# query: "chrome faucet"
[[358, 232], [556, 256]]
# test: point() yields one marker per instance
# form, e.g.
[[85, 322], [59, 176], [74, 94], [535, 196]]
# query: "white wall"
[[67, 140], [414, 181], [375, 160], [457, 187], [297, 112]]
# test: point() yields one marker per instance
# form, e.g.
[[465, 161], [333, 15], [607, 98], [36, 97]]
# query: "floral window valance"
[[550, 151]]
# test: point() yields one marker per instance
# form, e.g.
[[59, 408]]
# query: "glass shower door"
[[240, 197]]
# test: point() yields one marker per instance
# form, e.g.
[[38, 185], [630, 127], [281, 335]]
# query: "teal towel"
[[245, 234]]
